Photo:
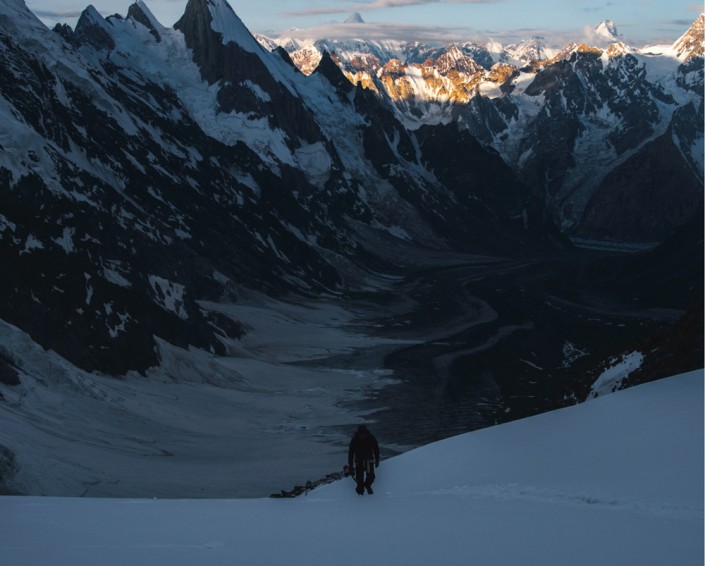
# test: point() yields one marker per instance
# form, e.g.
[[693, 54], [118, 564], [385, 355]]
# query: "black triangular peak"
[[284, 55], [91, 29], [136, 12], [207, 46], [217, 16], [332, 72]]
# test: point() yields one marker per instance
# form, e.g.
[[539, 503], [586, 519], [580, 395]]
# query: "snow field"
[[617, 480], [200, 425]]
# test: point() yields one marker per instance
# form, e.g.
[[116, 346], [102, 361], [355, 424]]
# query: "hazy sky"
[[638, 21]]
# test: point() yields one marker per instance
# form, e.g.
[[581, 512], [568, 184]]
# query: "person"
[[364, 451]]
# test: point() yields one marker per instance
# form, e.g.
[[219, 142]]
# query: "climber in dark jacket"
[[364, 451]]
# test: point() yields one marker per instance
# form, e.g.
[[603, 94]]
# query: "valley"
[[216, 266], [499, 339], [457, 344]]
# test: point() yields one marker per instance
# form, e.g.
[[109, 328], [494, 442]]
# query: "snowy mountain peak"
[[494, 46], [141, 7], [607, 30], [355, 18], [529, 50], [690, 44], [142, 14], [453, 59], [618, 49], [603, 34], [226, 22], [91, 15]]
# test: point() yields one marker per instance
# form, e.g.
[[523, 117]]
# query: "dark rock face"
[[485, 118], [331, 71], [208, 49], [90, 30], [676, 351], [651, 189], [65, 31], [495, 207], [8, 469], [137, 14], [656, 184], [633, 100], [8, 374], [235, 67], [669, 276], [477, 203]]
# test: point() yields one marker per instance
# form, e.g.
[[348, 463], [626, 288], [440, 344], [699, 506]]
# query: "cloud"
[[681, 23], [598, 7], [380, 5], [57, 14], [367, 31], [316, 12], [432, 35]]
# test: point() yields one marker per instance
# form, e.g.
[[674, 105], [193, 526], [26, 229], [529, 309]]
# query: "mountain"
[[355, 18], [690, 44], [527, 51], [274, 254], [146, 169], [625, 467], [605, 33], [590, 128]]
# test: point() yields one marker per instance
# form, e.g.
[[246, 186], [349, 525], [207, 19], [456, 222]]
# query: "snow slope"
[[614, 481], [200, 425]]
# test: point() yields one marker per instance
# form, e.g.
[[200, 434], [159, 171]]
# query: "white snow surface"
[[227, 23], [615, 481], [612, 378], [200, 425]]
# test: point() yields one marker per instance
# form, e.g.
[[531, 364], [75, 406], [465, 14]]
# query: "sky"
[[640, 22]]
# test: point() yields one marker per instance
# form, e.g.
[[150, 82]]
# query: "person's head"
[[362, 429]]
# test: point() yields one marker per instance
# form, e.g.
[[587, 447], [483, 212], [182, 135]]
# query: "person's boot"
[[369, 489], [360, 490]]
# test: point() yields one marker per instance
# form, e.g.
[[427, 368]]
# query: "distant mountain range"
[[563, 120], [371, 54]]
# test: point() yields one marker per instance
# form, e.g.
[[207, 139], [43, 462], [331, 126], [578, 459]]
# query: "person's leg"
[[360, 477], [370, 467]]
